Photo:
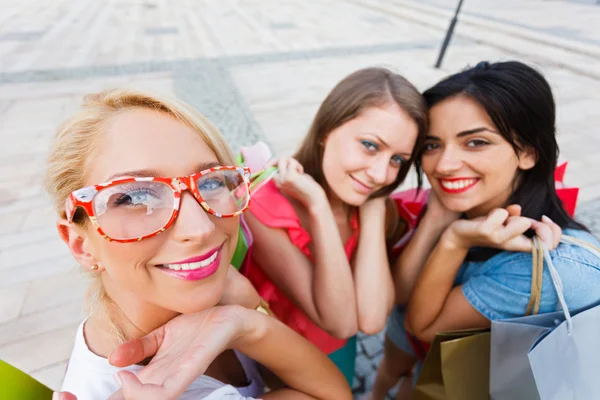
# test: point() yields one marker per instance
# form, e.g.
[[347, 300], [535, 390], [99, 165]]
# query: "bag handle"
[[260, 178], [540, 253], [537, 271], [556, 282], [595, 250]]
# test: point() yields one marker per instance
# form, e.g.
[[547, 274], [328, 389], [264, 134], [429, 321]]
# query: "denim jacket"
[[500, 286]]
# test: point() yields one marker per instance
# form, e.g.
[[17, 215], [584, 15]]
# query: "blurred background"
[[258, 69]]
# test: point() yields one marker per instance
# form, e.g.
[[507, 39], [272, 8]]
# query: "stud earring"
[[94, 268]]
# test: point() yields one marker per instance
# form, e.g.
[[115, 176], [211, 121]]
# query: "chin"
[[458, 205], [198, 303], [343, 190], [354, 199]]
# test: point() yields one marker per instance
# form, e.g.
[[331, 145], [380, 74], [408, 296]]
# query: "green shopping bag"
[[17, 385], [254, 157]]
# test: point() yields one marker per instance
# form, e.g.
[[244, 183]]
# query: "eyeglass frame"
[[84, 197]]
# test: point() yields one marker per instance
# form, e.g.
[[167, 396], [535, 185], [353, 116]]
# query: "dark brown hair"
[[365, 88]]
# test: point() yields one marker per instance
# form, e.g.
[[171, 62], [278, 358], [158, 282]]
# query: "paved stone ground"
[[259, 70]]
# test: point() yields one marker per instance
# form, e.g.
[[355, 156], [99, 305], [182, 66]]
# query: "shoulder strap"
[[595, 250]]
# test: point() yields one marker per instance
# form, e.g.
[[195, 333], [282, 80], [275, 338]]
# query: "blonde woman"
[[149, 204]]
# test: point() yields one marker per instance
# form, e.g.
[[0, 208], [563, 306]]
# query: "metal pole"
[[448, 35]]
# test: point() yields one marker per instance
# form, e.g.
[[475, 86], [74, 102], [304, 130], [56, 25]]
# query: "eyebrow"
[[144, 173], [406, 155], [465, 133]]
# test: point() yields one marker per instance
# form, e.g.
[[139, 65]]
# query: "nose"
[[378, 171], [449, 161], [193, 223]]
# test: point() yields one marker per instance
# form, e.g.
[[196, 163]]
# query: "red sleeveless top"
[[272, 209]]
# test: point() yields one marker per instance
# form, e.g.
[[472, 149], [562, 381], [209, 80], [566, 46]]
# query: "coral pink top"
[[272, 209]]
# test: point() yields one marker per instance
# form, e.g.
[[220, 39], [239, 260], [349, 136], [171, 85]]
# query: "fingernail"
[[55, 396], [118, 379], [547, 219]]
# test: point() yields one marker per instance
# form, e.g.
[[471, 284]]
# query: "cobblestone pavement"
[[259, 70]]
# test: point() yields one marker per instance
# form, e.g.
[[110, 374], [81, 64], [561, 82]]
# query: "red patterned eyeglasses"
[[133, 209]]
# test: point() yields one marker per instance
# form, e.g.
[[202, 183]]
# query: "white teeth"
[[190, 266], [456, 185]]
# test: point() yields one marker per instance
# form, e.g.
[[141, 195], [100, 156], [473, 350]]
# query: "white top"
[[91, 377]]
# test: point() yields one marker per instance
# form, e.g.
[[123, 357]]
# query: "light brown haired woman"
[[320, 228]]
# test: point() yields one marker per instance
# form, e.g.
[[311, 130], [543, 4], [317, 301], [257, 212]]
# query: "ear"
[[78, 243], [527, 158]]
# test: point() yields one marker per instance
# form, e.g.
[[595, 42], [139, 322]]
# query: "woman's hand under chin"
[[373, 208], [503, 229], [182, 349]]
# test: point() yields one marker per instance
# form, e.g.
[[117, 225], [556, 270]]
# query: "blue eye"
[[134, 198], [369, 145], [397, 161], [210, 184]]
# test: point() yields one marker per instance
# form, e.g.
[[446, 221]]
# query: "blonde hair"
[[78, 137]]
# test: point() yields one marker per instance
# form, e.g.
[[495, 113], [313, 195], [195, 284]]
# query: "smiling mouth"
[[193, 265], [459, 185], [365, 189], [195, 268]]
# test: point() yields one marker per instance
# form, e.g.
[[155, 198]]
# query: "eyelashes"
[[472, 143], [373, 148], [477, 143]]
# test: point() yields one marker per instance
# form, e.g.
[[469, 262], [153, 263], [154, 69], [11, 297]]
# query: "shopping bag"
[[511, 377], [566, 362], [456, 367], [242, 253], [255, 157], [553, 356], [568, 195], [17, 385], [410, 205]]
